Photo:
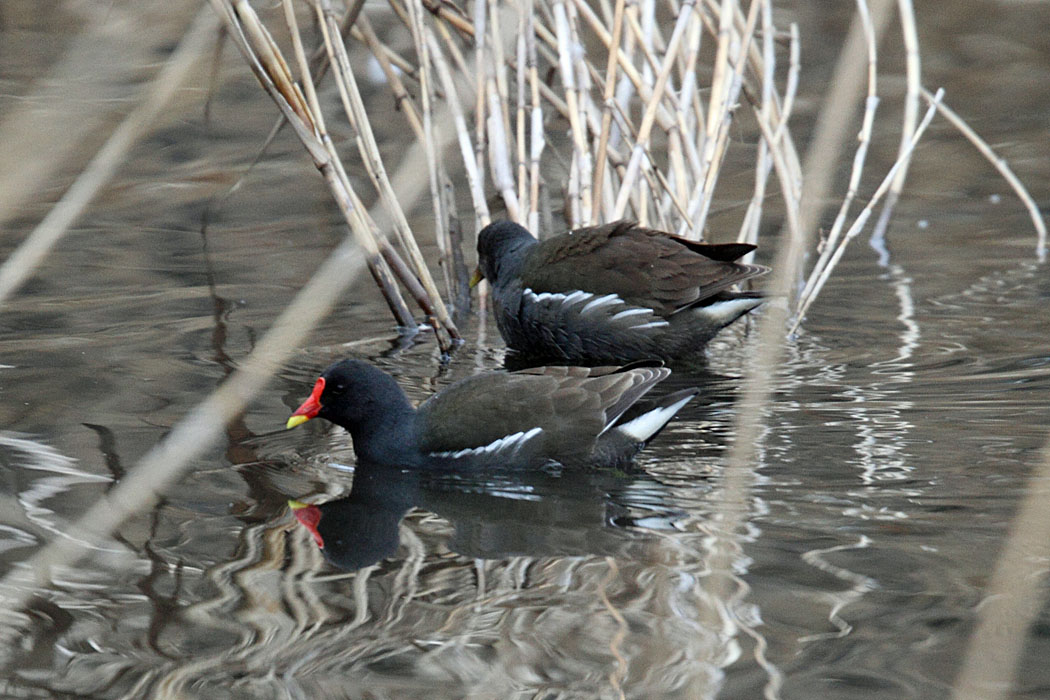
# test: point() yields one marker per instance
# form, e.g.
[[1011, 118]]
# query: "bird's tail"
[[726, 307], [646, 426]]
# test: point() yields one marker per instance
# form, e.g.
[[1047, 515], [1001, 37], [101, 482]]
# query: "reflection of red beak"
[[310, 517], [310, 408]]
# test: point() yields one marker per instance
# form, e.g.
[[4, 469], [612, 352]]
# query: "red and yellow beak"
[[309, 408], [309, 516]]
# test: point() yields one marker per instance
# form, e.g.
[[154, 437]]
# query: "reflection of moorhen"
[[533, 514], [361, 529], [562, 415], [611, 294], [494, 515]]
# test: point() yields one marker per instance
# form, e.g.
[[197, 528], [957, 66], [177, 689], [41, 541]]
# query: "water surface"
[[908, 416]]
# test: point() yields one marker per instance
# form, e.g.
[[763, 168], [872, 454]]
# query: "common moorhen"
[[615, 293], [536, 417]]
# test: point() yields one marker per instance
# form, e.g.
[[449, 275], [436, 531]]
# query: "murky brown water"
[[909, 414]]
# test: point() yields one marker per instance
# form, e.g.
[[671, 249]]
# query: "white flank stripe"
[[577, 296], [565, 299], [545, 296], [645, 426], [600, 302], [598, 305], [512, 442], [652, 324], [631, 312]]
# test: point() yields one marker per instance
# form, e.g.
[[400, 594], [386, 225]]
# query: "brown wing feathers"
[[631, 386], [572, 405], [611, 390], [643, 267]]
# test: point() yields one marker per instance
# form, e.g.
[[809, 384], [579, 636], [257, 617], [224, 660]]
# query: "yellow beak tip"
[[476, 278], [295, 421], [297, 505]]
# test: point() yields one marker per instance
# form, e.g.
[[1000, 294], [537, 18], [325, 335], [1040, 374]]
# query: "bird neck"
[[512, 258], [385, 432]]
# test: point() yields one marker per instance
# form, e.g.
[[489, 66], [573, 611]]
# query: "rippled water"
[[907, 418]]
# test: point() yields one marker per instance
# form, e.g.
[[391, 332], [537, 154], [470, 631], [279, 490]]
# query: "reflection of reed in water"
[[35, 502]]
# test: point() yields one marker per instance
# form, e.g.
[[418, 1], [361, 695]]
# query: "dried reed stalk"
[[823, 274], [1004, 169], [429, 137], [431, 301], [911, 111], [267, 63], [609, 93], [1013, 599], [75, 103], [830, 245], [307, 119], [188, 55]]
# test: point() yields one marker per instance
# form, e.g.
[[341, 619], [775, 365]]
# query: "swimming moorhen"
[[611, 294], [537, 417]]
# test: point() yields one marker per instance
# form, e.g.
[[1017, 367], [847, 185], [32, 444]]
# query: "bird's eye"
[[340, 388]]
